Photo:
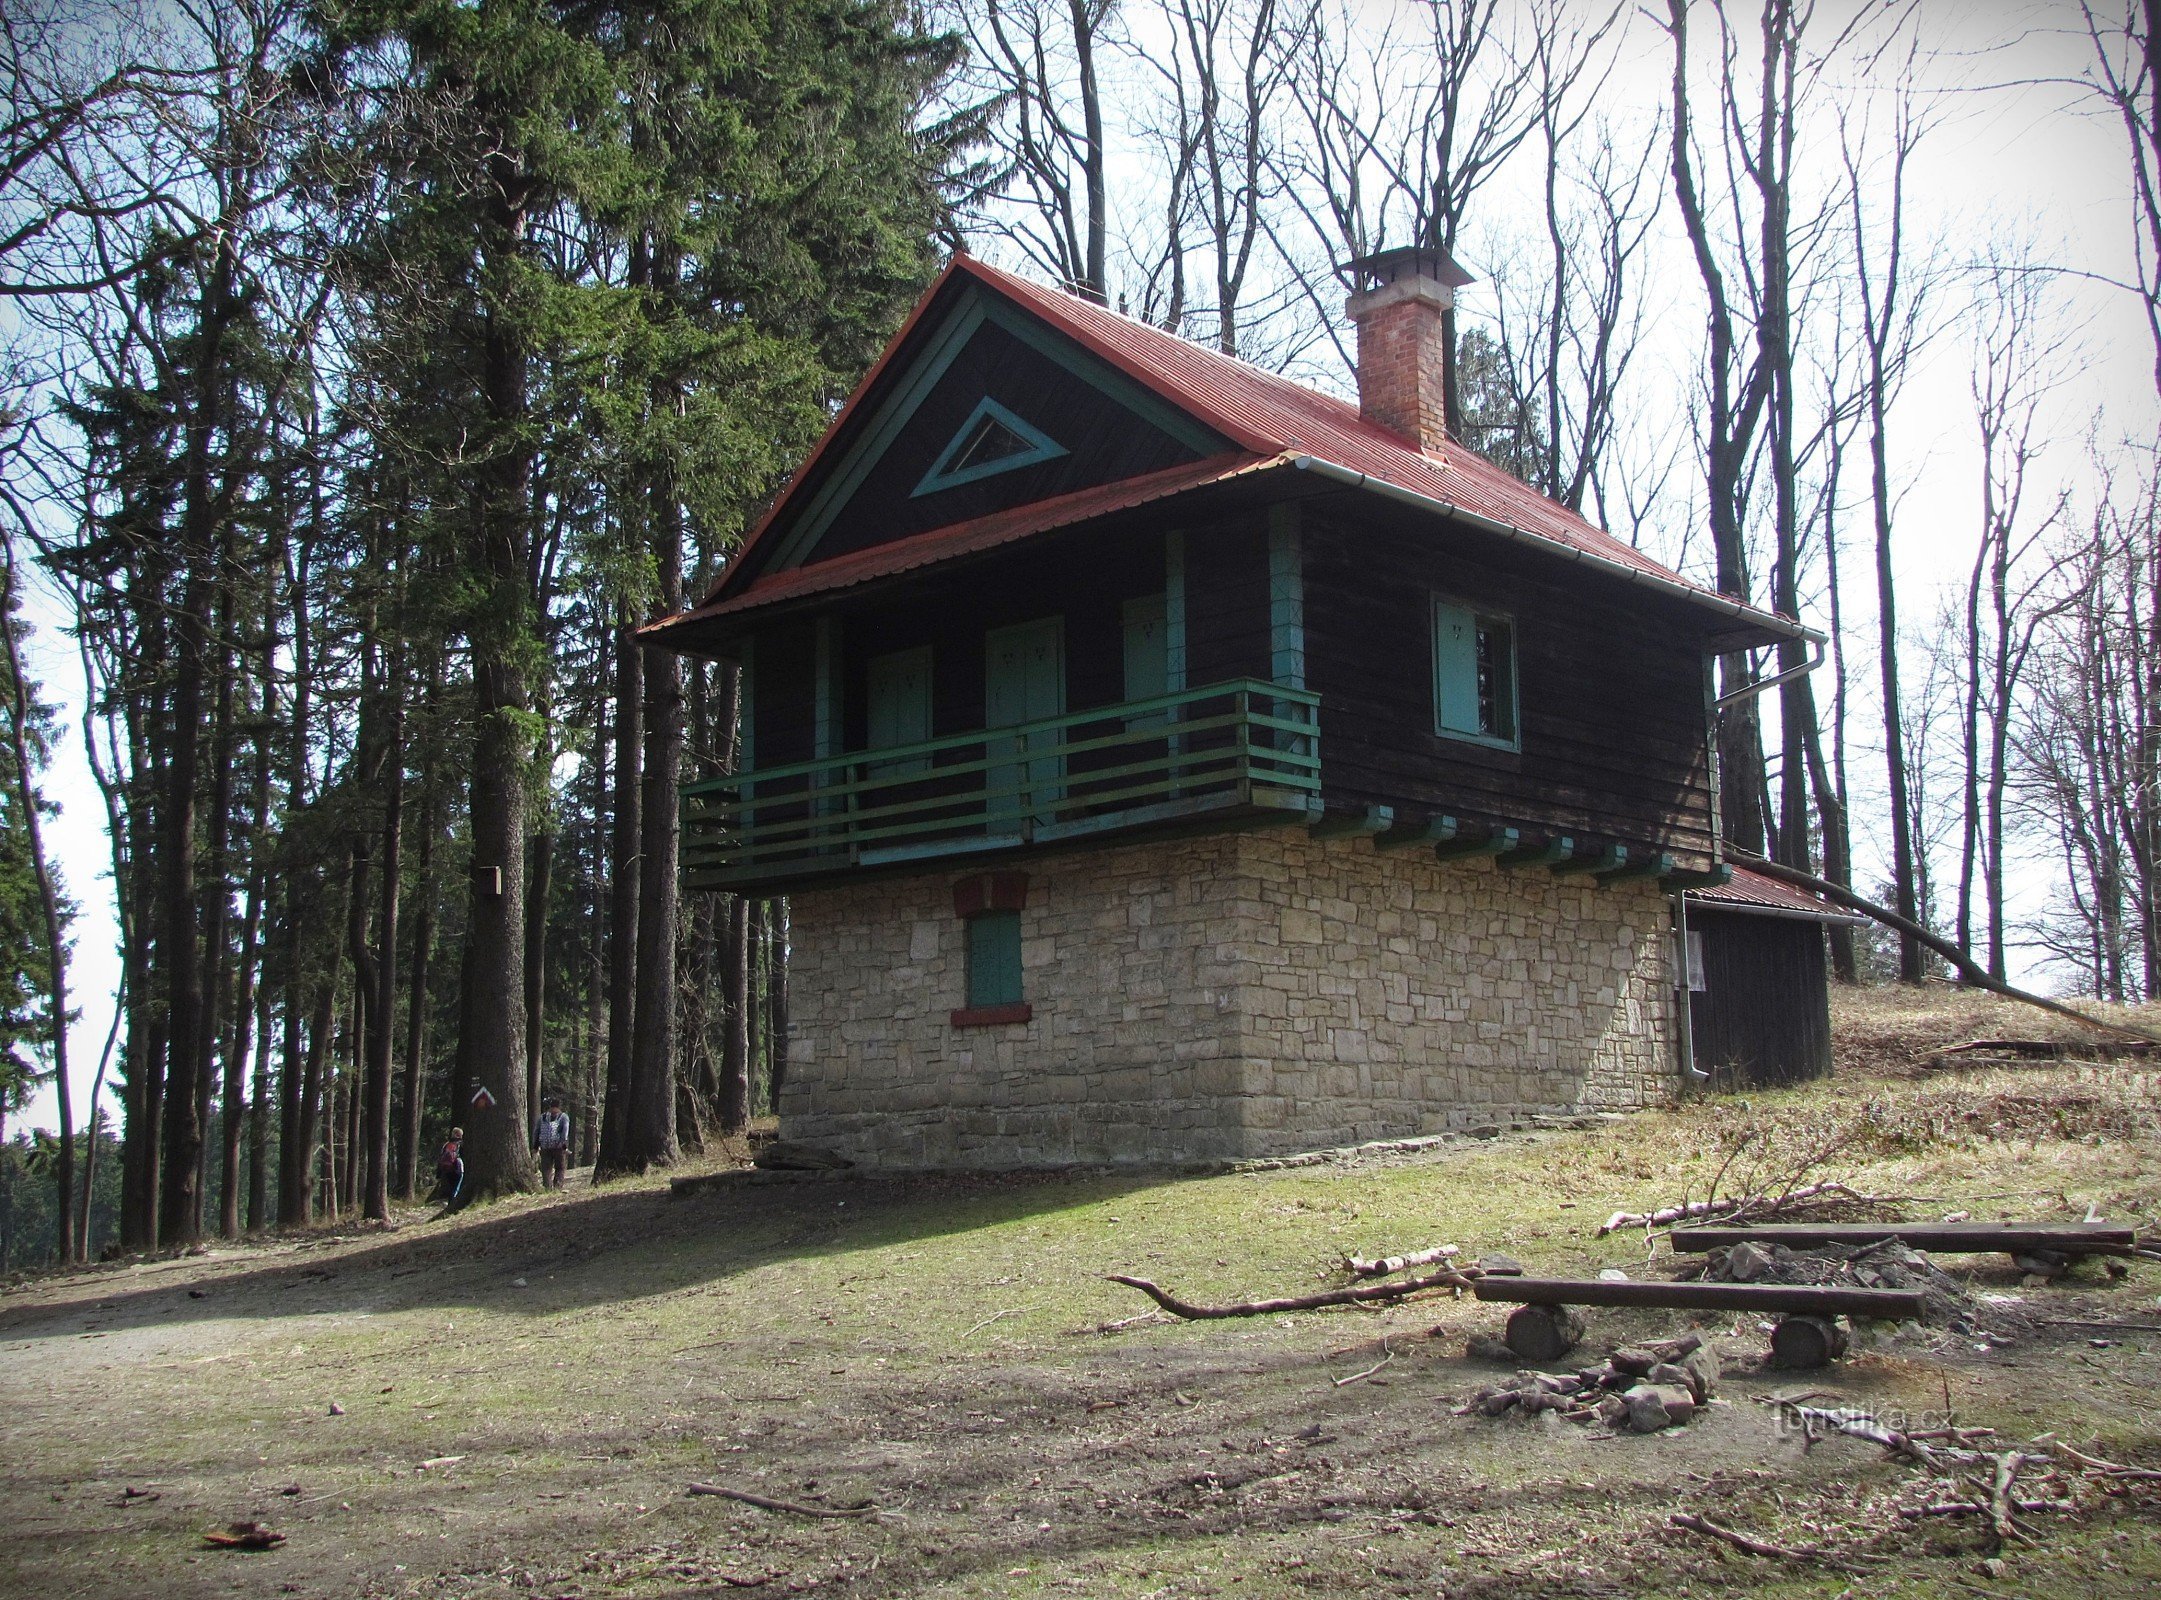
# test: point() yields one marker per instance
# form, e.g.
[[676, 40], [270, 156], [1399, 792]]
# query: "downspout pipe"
[[1671, 587], [1684, 993], [1749, 691]]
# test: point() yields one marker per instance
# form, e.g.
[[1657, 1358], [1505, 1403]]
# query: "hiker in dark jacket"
[[551, 1137], [450, 1169]]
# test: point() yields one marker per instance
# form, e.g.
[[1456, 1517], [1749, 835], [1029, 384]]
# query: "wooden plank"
[[1374, 820], [1652, 866], [1806, 1299], [1558, 847], [1493, 842], [1409, 835], [1609, 859], [1951, 1237]]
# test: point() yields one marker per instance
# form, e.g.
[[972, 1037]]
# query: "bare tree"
[[1040, 62], [2015, 365], [1222, 84], [2125, 73], [1892, 296]]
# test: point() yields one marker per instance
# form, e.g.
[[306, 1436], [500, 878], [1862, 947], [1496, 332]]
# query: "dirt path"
[[522, 1395]]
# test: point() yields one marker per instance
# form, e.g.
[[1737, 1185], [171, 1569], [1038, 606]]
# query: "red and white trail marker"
[[482, 1100]]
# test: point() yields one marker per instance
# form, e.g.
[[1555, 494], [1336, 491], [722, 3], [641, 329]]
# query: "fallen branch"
[[1387, 1355], [2109, 1469], [1965, 1508], [1969, 971], [1356, 1295], [2088, 1322], [1750, 1205], [1758, 1547], [1382, 1266], [721, 1491]]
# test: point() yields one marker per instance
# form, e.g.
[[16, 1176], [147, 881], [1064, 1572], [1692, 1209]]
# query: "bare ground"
[[523, 1393]]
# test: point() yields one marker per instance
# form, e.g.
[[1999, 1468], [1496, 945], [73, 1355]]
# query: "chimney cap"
[[1406, 261]]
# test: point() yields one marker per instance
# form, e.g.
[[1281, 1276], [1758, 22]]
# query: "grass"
[[526, 1390]]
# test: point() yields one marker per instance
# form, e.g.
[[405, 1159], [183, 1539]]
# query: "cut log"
[[1804, 1299], [1541, 1333], [2090, 1238], [1800, 1344]]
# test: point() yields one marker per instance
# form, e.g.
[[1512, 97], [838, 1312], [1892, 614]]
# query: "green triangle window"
[[991, 441]]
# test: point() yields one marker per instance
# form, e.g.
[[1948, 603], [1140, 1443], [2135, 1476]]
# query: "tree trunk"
[[501, 631], [536, 960], [625, 846], [735, 1041], [56, 978], [780, 1004], [382, 1004], [258, 1120], [653, 1139]]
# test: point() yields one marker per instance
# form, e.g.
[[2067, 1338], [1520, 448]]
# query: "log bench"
[[2070, 1238], [1545, 1326]]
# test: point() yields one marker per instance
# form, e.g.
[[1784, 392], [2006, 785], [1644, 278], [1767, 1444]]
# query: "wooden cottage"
[[1167, 761], [1759, 1003]]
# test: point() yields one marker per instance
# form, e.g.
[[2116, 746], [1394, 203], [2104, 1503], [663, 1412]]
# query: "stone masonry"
[[1243, 994]]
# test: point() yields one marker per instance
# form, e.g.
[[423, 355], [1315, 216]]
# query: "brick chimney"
[[1400, 304]]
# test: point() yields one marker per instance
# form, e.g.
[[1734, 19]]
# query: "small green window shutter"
[[994, 959], [1455, 668], [899, 686]]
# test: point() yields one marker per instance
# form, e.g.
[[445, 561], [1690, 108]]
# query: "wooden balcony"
[[1227, 755]]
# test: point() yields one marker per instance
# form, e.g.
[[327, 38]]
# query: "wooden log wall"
[[1609, 684]]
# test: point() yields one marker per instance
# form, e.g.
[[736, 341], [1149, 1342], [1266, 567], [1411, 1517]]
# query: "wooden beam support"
[[1805, 1299], [1717, 878], [1349, 824], [1494, 842], [1655, 866], [1405, 835], [1610, 859], [1948, 1238], [1557, 847]]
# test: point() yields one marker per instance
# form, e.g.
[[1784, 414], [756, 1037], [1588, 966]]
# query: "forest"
[[372, 370]]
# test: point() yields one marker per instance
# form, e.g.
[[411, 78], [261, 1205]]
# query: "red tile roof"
[[1752, 891], [1272, 420]]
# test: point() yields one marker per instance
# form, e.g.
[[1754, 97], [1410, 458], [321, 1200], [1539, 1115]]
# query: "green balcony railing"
[[1240, 749]]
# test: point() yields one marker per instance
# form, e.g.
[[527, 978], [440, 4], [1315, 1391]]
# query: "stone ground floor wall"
[[1238, 995]]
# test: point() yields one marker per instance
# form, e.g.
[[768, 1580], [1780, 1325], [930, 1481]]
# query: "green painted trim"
[[1040, 447], [1350, 824], [825, 713], [1174, 611], [1286, 598], [1606, 860], [1409, 835], [1151, 407], [1716, 878], [1652, 866], [1496, 842], [892, 415], [1558, 848]]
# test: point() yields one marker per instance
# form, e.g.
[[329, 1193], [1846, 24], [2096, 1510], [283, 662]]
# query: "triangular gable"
[[1045, 418]]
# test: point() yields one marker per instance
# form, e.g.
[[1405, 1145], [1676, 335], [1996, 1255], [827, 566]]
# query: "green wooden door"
[[899, 693], [1024, 681]]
